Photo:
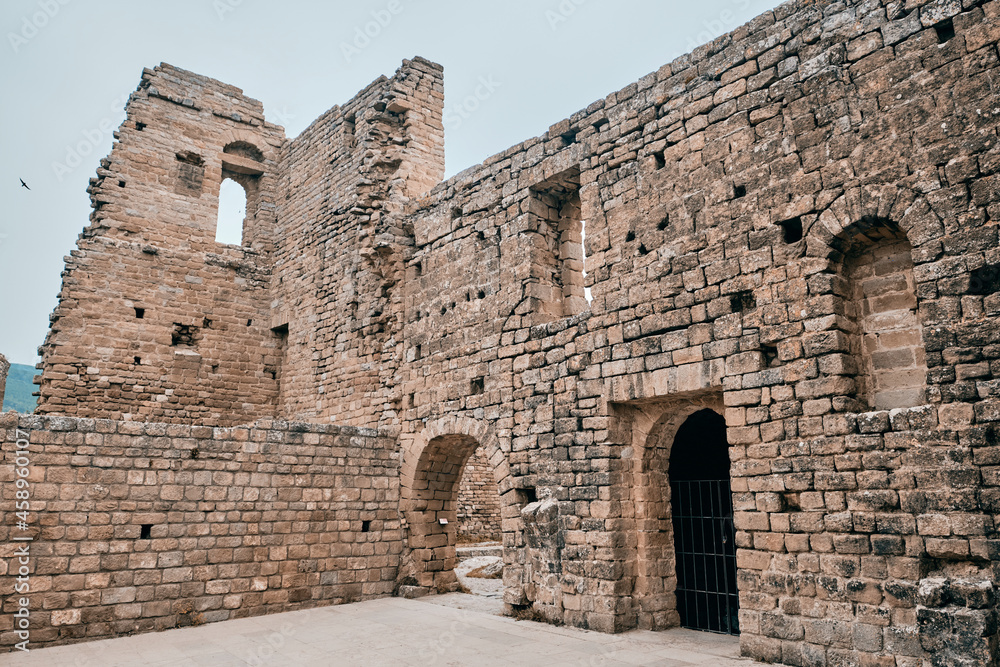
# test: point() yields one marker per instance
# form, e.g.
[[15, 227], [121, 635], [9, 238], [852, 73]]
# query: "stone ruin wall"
[[346, 179], [147, 526], [156, 321], [788, 225], [479, 514]]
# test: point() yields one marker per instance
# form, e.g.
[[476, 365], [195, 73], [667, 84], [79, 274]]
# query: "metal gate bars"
[[705, 548]]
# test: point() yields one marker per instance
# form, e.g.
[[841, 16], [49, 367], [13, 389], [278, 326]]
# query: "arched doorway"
[[702, 517], [433, 465]]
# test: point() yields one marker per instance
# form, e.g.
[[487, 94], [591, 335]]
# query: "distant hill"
[[18, 395]]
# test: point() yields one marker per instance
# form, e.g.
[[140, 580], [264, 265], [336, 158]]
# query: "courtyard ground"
[[436, 630]]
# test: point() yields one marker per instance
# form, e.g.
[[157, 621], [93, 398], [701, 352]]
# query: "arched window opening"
[[881, 308], [232, 213]]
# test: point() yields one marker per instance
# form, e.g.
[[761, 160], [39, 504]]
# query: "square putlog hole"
[[145, 531]]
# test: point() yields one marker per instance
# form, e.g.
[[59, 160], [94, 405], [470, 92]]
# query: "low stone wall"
[[137, 526], [478, 501]]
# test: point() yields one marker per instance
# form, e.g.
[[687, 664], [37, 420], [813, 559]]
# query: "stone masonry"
[[793, 226], [478, 501]]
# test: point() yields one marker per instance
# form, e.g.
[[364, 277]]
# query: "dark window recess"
[[366, 526], [444, 309], [569, 137], [249, 322], [145, 530], [739, 191], [945, 30], [137, 360], [478, 384], [184, 335], [642, 249], [271, 373], [742, 302], [792, 502], [419, 267], [468, 296], [661, 160], [664, 223], [770, 355], [215, 368], [481, 294], [792, 229], [140, 313], [349, 124], [456, 213], [630, 237], [121, 184], [985, 280], [140, 126], [417, 352], [526, 495], [280, 330], [207, 323]]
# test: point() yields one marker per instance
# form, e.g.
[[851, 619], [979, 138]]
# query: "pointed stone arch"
[[432, 465]]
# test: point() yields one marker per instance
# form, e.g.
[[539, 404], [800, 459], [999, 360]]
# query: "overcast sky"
[[69, 65]]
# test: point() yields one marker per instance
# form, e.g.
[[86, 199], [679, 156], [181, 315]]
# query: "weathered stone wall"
[[156, 321], [479, 513], [346, 178], [145, 526], [739, 205], [793, 225]]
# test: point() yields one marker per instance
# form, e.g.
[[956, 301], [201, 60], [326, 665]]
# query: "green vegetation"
[[19, 387]]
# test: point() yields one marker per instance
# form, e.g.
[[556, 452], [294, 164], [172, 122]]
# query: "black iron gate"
[[704, 544]]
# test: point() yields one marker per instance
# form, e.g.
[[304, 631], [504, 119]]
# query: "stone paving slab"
[[437, 630]]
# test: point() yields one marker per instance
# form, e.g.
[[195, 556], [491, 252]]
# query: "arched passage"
[[433, 462], [702, 517], [678, 442]]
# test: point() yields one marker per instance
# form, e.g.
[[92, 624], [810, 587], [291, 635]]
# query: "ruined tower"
[[159, 321]]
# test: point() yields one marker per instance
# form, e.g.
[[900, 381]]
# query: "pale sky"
[[67, 67]]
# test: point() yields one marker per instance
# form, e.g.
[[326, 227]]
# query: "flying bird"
[[23, 184]]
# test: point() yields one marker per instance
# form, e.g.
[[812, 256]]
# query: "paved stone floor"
[[438, 630]]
